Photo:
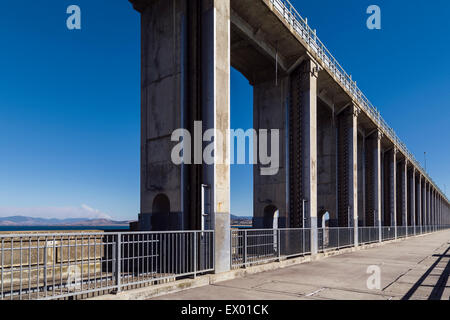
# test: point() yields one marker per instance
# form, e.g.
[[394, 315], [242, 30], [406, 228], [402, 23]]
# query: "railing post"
[[338, 231], [195, 254], [118, 259], [245, 249], [45, 266], [278, 243], [303, 240]]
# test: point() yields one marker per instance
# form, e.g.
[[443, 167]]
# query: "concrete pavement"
[[416, 268]]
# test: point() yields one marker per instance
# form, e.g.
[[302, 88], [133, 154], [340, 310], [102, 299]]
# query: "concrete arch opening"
[[323, 219], [161, 213], [271, 216]]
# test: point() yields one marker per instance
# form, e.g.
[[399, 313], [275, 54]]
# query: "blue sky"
[[69, 100]]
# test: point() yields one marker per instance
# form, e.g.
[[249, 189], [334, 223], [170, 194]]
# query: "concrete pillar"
[[429, 203], [412, 201], [348, 167], [436, 207], [404, 186], [378, 183], [432, 205], [185, 78], [216, 115], [424, 204], [394, 190], [419, 202], [303, 156], [439, 210], [310, 123], [161, 207], [353, 183], [391, 176]]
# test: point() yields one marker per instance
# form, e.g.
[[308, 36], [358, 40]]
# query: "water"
[[60, 228]]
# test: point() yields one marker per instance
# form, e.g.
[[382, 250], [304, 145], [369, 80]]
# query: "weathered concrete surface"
[[415, 269]]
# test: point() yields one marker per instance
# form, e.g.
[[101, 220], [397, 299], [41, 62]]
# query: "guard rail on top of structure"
[[301, 27]]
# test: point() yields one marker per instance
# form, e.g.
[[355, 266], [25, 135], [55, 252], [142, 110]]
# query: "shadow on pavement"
[[439, 287]]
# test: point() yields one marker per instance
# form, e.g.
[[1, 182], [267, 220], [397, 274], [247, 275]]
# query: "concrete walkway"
[[416, 268]]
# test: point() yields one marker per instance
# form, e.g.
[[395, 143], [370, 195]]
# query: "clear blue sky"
[[69, 100]]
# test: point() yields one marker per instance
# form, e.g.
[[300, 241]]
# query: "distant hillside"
[[30, 221], [233, 217], [242, 221]]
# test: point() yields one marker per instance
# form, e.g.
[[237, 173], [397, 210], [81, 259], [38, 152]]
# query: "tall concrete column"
[[216, 115], [390, 191], [429, 201], [162, 104], [310, 155], [439, 209], [424, 204], [394, 190], [419, 202], [303, 149], [347, 156], [412, 201], [354, 171], [436, 207], [428, 210], [185, 77], [404, 186], [432, 212], [378, 183]]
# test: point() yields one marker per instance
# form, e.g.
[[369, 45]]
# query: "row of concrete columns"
[[402, 196], [396, 193], [188, 47]]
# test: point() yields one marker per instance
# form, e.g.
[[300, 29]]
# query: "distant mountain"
[[240, 221], [30, 221], [233, 217]]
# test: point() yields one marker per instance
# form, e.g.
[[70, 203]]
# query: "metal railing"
[[368, 235], [59, 265], [257, 246], [335, 238], [387, 233], [254, 246], [301, 27], [401, 231]]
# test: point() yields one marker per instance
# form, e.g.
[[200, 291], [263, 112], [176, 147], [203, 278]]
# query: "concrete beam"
[[258, 38]]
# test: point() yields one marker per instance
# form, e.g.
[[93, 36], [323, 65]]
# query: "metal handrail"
[[301, 27]]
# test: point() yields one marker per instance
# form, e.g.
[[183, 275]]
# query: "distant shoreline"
[[62, 228]]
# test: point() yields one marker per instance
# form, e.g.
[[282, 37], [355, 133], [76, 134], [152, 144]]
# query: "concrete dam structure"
[[337, 154]]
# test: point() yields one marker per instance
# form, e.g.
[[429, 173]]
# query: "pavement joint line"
[[395, 280], [312, 294], [263, 290], [380, 293]]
